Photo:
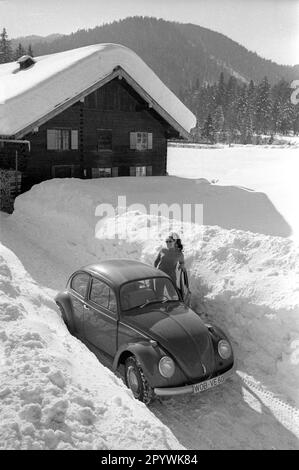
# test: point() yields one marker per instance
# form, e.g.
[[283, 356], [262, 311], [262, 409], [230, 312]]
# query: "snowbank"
[[54, 393], [246, 282], [227, 206], [274, 171]]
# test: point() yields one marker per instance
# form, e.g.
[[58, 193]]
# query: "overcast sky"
[[268, 27]]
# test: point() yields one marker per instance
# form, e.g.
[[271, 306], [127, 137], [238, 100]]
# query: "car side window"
[[103, 295], [79, 283]]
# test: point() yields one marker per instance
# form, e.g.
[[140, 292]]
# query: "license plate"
[[211, 383]]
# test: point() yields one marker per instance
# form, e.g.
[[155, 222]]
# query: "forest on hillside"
[[229, 111]]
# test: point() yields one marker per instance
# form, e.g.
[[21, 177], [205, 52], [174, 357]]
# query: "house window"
[[104, 172], [141, 170], [62, 139], [141, 140], [104, 139]]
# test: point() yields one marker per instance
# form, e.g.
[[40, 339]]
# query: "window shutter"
[[133, 140], [132, 171], [65, 137], [74, 140], [51, 139], [150, 141]]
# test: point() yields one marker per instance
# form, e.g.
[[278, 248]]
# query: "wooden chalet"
[[98, 111]]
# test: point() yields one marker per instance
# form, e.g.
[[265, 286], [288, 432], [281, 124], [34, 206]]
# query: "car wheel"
[[137, 382], [64, 318]]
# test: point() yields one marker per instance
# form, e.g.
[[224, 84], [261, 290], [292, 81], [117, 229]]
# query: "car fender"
[[217, 334], [148, 354], [64, 300]]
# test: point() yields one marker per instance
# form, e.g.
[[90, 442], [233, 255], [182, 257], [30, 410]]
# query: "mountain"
[[180, 54], [33, 39]]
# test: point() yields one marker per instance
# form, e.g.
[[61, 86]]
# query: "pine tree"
[[231, 91], [244, 116], [276, 115], [19, 52], [218, 122], [220, 94], [208, 129], [283, 111], [5, 48], [30, 51], [263, 107], [296, 120], [286, 117], [231, 107]]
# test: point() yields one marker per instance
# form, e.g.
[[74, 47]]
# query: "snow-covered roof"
[[32, 96]]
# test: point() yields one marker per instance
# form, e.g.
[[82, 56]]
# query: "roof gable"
[[32, 96]]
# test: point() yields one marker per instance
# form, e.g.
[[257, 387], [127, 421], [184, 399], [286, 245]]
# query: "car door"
[[79, 285], [100, 317]]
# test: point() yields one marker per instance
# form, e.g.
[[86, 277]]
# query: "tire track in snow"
[[284, 412], [239, 415]]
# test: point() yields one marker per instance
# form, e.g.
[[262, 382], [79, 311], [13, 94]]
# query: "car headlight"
[[166, 367], [224, 349]]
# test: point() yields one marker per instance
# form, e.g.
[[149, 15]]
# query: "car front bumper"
[[196, 388]]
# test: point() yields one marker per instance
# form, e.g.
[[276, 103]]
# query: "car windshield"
[[138, 294]]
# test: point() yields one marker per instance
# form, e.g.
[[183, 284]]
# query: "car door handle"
[[85, 307]]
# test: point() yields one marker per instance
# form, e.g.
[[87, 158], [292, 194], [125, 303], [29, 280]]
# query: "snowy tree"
[[218, 122], [244, 117], [221, 89], [296, 120], [5, 48], [19, 52], [276, 115], [263, 107], [231, 91], [208, 129], [30, 51], [286, 117]]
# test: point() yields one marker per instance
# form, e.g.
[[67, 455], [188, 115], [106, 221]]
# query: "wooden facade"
[[111, 132]]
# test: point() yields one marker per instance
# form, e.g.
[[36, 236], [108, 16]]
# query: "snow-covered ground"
[[273, 171], [243, 278]]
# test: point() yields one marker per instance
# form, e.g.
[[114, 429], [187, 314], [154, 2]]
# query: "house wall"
[[117, 107]]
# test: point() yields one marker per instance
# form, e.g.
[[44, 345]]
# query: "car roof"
[[119, 271]]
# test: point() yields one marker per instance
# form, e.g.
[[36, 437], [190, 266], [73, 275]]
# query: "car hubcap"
[[132, 380]]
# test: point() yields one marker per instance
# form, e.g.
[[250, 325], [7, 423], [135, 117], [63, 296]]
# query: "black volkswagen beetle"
[[135, 314]]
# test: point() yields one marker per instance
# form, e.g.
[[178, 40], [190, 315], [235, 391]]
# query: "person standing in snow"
[[171, 257]]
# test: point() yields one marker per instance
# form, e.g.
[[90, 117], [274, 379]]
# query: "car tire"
[[64, 318], [136, 381]]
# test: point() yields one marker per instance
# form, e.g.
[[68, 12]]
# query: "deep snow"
[[245, 282], [54, 393], [273, 171]]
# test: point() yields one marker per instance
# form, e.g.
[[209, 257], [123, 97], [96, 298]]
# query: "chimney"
[[25, 62]]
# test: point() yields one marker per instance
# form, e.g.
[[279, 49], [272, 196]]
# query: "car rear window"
[[79, 283]]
